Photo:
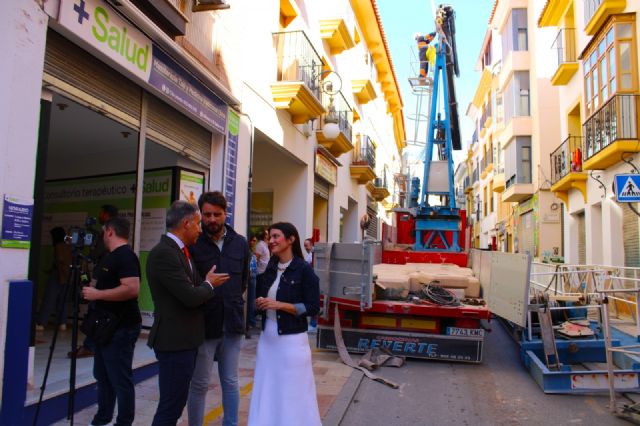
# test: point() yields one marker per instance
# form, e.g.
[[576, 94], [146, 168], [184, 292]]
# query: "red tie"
[[185, 250]]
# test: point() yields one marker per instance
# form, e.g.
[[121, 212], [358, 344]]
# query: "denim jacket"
[[299, 286], [224, 313]]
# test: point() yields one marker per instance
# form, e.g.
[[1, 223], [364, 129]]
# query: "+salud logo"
[[113, 37]]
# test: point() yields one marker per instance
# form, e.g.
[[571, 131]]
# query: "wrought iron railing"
[[565, 46], [343, 111], [498, 168], [298, 60], [590, 7], [616, 119], [486, 113], [382, 181], [364, 154], [566, 158]]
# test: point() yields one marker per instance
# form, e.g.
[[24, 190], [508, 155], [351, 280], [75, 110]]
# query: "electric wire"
[[439, 295]]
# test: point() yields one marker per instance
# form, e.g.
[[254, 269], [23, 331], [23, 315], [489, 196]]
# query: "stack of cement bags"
[[413, 276]]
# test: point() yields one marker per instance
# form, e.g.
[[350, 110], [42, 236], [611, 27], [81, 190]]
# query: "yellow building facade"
[[596, 60]]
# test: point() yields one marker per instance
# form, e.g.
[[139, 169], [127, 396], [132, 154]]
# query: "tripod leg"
[[75, 285], [51, 350]]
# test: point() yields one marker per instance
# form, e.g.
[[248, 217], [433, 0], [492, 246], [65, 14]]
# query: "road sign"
[[627, 188]]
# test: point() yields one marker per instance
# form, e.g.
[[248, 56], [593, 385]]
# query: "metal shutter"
[[582, 239], [68, 68], [372, 230], [631, 232], [174, 130], [321, 188]]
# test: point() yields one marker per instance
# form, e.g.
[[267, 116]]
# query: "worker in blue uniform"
[[426, 52]]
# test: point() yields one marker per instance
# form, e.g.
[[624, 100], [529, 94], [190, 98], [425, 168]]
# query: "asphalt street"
[[497, 392]]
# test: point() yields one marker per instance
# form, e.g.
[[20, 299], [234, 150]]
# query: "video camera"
[[80, 238]]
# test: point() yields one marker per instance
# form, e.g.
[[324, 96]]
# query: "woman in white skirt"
[[284, 390]]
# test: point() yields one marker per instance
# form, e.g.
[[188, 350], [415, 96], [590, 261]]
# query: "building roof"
[[493, 11], [366, 12]]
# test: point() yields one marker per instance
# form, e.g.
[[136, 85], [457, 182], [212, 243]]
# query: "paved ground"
[[498, 392], [330, 375]]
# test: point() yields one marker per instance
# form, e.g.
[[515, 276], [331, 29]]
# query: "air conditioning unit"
[[208, 5]]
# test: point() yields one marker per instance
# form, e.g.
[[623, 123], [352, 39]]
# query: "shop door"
[[631, 232], [526, 234], [321, 208], [582, 239]]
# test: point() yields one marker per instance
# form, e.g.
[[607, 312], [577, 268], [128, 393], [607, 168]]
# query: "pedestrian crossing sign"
[[627, 188]]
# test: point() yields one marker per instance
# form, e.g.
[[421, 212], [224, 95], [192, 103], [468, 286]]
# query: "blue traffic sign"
[[627, 188]]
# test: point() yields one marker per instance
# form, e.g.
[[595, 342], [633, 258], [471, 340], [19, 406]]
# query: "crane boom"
[[437, 226]]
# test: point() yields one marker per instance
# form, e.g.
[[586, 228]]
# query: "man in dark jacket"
[[221, 247], [178, 320]]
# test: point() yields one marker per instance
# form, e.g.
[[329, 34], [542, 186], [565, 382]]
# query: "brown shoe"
[[81, 352]]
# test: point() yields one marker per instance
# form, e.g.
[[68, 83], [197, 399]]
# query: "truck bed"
[[424, 309]]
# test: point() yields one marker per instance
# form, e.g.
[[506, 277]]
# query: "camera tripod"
[[75, 284]]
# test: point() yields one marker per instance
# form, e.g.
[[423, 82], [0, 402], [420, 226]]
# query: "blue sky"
[[402, 18]]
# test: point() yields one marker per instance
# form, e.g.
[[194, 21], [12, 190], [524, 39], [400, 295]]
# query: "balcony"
[[380, 189], [363, 90], [336, 34], [498, 179], [364, 161], [516, 192], [596, 12], [518, 187], [342, 143], [485, 119], [166, 14], [299, 65], [611, 131], [566, 57], [566, 169]]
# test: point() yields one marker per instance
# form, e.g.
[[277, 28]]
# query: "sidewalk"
[[330, 375]]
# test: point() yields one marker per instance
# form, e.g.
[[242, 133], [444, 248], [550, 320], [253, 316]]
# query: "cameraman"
[[97, 253], [116, 291]]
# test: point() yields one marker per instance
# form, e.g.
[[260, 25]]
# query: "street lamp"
[[331, 85]]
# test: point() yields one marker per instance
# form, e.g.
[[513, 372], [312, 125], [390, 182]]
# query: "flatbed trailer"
[[416, 328], [408, 329]]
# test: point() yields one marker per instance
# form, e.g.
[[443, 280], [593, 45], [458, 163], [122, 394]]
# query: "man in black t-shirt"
[[116, 291]]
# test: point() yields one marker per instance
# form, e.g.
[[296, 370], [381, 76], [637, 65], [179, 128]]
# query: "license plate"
[[465, 332]]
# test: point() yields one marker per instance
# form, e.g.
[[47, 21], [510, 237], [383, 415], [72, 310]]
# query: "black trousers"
[[175, 372]]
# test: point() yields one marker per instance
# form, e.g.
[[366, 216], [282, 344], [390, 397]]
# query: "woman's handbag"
[[100, 325]]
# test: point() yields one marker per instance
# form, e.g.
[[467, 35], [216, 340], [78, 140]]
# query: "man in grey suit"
[[178, 295]]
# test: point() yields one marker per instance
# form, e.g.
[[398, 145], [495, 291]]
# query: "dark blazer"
[[178, 294], [298, 285], [227, 306]]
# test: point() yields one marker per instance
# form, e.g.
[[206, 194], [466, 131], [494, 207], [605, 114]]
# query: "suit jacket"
[[178, 295]]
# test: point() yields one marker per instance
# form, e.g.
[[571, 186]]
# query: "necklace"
[[283, 266]]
